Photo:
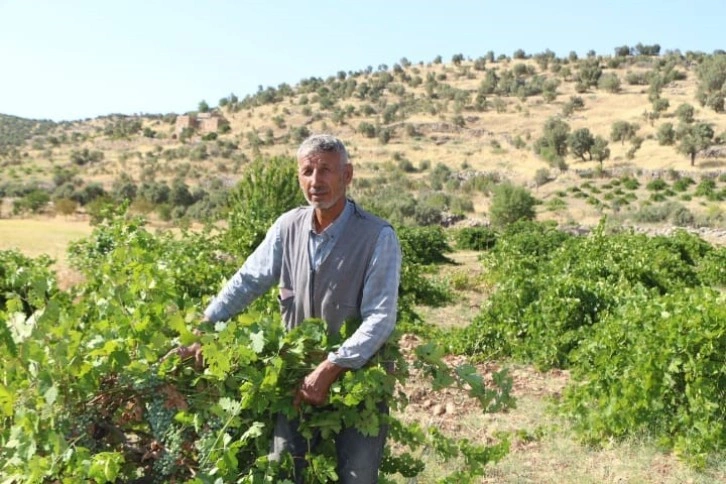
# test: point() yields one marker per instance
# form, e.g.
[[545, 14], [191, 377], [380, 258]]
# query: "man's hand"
[[315, 387], [194, 352]]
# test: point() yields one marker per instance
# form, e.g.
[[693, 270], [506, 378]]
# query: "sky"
[[77, 59]]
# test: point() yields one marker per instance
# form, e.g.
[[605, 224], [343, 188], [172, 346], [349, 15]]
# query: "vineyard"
[[92, 391]]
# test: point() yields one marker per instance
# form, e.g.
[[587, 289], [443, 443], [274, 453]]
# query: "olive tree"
[[694, 138], [580, 143], [712, 82]]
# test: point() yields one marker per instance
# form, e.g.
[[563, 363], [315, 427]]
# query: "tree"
[[589, 72], [685, 113], [660, 105], [554, 137], [511, 203], [86, 156], [609, 82], [581, 142], [666, 135], [124, 188], [457, 59], [623, 131], [519, 54], [694, 138], [203, 107], [65, 206], [267, 189], [600, 150], [712, 82], [651, 50], [622, 51]]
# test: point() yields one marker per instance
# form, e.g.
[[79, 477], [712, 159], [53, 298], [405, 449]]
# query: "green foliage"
[[685, 113], [712, 82], [424, 245], [475, 238], [623, 131], [581, 142], [267, 189], [554, 289], [589, 73], [600, 150], [666, 134], [89, 395], [609, 82], [34, 201], [669, 211], [657, 184], [655, 366], [554, 137], [694, 138], [510, 203], [122, 128], [14, 131], [367, 129], [86, 156]]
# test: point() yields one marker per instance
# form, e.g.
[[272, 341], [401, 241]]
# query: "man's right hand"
[[192, 352]]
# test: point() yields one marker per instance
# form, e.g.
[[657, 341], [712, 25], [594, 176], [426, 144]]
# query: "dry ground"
[[45, 235]]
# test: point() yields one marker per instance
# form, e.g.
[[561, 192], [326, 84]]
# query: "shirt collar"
[[335, 229]]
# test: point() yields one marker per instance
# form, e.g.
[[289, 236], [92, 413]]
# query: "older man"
[[333, 261]]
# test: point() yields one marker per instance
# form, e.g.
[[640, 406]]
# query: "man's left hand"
[[315, 387]]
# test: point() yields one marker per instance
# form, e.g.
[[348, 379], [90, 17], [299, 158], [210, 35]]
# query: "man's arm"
[[378, 311], [260, 271], [378, 305]]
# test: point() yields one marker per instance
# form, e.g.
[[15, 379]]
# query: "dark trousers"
[[359, 456]]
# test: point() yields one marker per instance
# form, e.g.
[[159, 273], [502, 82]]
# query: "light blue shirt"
[[380, 288]]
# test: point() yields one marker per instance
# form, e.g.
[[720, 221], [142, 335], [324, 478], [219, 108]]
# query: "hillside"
[[436, 135]]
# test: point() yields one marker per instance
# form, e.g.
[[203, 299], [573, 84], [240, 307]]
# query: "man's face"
[[323, 179]]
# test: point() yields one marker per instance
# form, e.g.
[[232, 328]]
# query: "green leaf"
[[7, 400], [258, 341]]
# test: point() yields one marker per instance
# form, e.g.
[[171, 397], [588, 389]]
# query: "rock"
[[438, 410]]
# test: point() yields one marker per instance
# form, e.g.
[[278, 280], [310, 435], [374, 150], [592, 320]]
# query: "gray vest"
[[334, 292]]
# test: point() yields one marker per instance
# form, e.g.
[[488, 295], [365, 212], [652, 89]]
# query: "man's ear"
[[348, 173]]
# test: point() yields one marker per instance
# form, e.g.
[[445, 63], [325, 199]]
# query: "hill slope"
[[442, 133]]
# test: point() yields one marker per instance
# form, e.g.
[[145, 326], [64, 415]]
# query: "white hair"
[[323, 143]]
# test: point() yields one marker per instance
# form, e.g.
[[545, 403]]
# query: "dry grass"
[[49, 236]]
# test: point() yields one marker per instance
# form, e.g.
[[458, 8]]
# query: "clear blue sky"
[[75, 59]]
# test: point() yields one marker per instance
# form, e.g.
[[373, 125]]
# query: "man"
[[332, 261]]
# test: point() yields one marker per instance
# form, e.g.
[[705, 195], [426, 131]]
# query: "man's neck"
[[324, 217]]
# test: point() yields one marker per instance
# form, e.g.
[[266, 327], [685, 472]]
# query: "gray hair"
[[323, 143]]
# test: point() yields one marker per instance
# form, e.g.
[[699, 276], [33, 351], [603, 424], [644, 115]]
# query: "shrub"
[[657, 184], [511, 203], [475, 238]]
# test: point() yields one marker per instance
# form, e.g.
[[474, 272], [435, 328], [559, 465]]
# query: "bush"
[[654, 367], [657, 184], [475, 238], [511, 203], [666, 134]]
